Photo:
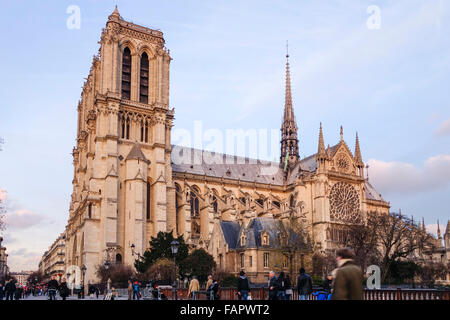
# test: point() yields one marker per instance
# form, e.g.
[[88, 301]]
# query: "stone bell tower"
[[122, 178]]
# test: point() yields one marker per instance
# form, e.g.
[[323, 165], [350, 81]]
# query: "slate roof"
[[201, 162], [232, 232], [136, 153], [371, 193]]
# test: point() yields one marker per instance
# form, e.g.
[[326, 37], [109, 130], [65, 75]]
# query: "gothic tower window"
[[143, 89], [146, 132], [148, 200], [214, 204], [242, 260], [126, 74], [291, 202], [90, 210], [122, 126], [142, 131], [127, 128], [194, 205]]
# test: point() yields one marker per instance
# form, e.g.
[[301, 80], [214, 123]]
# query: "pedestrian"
[[63, 289], [281, 286], [288, 287], [136, 290], [97, 292], [52, 288], [130, 289], [327, 284], [18, 293], [209, 282], [194, 286], [243, 286], [10, 288], [349, 278], [2, 291], [273, 286], [213, 291], [304, 285]]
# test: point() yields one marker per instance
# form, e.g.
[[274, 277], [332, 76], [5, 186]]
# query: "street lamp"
[[174, 247], [106, 265], [135, 253], [83, 272]]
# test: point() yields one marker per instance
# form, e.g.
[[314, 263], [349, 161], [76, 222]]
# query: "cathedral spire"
[[358, 156], [321, 149], [438, 231], [289, 141]]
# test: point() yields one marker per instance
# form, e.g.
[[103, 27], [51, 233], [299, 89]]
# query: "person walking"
[[281, 286], [328, 285], [2, 291], [64, 289], [130, 289], [349, 278], [136, 290], [304, 285], [52, 288], [243, 286], [273, 286], [209, 282], [288, 287], [194, 286], [10, 288], [212, 293]]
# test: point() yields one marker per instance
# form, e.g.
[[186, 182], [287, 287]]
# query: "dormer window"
[[243, 240], [265, 239]]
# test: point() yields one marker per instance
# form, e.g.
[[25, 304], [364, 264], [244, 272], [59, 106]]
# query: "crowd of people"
[[343, 283]]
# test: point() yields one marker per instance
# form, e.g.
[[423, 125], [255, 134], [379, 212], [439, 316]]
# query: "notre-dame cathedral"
[[129, 182]]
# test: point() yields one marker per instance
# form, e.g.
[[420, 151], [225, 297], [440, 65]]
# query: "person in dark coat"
[[243, 286], [64, 289], [213, 291], [288, 287], [273, 286], [53, 286], [304, 285], [10, 288], [327, 283], [281, 286], [349, 278], [2, 291]]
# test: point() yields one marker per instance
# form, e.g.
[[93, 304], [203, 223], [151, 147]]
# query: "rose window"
[[344, 203]]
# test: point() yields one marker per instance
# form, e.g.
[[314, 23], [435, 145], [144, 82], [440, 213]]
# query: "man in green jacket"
[[349, 278]]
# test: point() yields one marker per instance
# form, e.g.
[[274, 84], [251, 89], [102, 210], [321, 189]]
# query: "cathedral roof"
[[371, 193], [136, 153], [230, 230], [201, 162]]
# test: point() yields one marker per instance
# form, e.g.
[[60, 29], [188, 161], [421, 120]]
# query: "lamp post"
[[106, 265], [135, 253], [83, 272], [174, 247]]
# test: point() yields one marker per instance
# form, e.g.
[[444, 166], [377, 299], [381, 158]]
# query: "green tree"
[[198, 263], [160, 248]]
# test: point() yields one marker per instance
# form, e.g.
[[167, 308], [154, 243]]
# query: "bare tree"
[[398, 238]]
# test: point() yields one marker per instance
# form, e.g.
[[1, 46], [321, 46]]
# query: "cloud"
[[22, 259], [444, 129], [17, 217], [406, 178]]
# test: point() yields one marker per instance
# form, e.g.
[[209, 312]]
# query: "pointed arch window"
[[148, 201], [214, 203], [143, 84], [126, 74], [127, 127], [194, 205]]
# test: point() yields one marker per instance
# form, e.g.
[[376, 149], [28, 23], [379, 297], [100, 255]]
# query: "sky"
[[377, 67]]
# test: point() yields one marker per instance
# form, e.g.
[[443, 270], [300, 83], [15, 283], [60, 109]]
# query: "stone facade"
[[53, 260], [130, 182]]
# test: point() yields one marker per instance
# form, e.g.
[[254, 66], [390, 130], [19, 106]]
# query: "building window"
[[243, 240], [118, 258], [194, 205], [265, 240], [148, 200], [143, 89], [90, 210], [214, 203], [220, 261], [266, 259], [242, 260], [250, 261], [291, 202], [126, 74]]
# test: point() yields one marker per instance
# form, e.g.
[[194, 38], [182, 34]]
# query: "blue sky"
[[390, 85]]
